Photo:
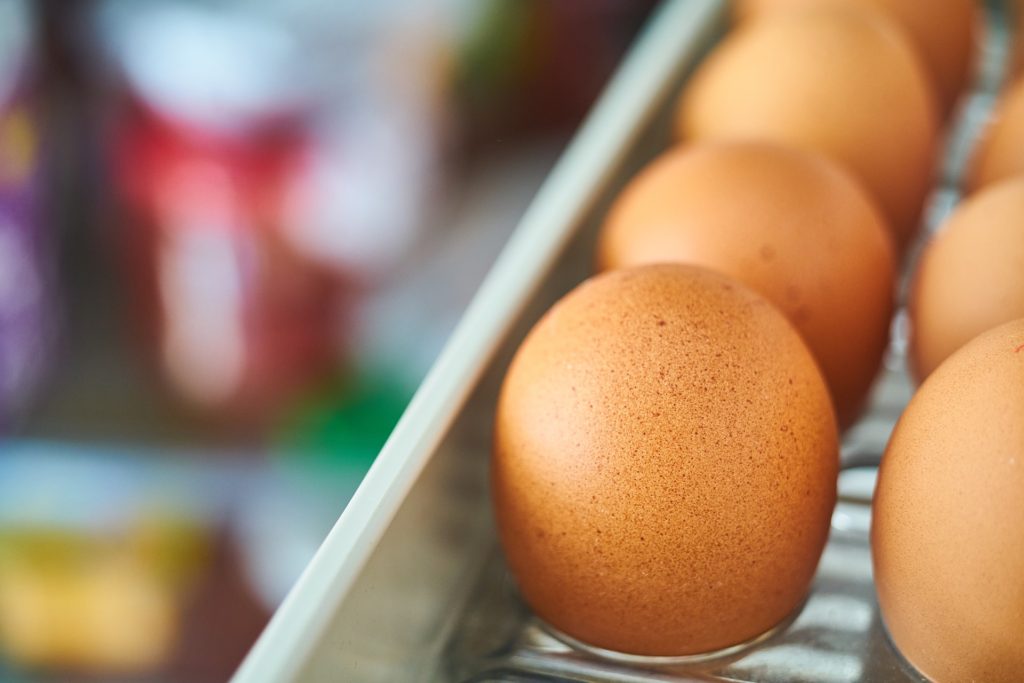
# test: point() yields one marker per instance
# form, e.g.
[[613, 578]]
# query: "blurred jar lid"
[[16, 34]]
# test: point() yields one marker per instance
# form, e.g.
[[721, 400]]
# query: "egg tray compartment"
[[411, 585], [836, 635]]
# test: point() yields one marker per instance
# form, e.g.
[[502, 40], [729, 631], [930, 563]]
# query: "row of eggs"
[[666, 438]]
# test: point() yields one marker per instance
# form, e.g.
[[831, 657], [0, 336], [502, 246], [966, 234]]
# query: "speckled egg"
[[943, 32], [948, 524], [837, 80], [792, 225], [665, 462]]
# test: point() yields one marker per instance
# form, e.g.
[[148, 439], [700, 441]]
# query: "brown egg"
[[948, 529], [1000, 152], [665, 460], [943, 33], [789, 224], [836, 80], [970, 277]]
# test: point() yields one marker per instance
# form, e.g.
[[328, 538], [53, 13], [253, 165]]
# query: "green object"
[[346, 422]]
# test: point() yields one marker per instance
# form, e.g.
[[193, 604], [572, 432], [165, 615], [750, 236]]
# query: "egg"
[[789, 224], [664, 464], [948, 519], [836, 80], [1000, 153], [944, 34], [970, 277]]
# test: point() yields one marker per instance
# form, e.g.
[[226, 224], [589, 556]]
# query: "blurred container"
[[272, 161], [237, 319], [99, 552], [27, 269]]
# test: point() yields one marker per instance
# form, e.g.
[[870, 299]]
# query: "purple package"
[[26, 268]]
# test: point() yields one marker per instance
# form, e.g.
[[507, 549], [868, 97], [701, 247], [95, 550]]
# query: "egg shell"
[[971, 275], [944, 33], [836, 80], [1000, 152], [789, 224], [948, 519], [665, 461]]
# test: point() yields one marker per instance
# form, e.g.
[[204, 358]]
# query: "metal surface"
[[837, 635]]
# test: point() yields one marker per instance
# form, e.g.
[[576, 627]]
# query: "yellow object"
[[94, 603], [107, 614], [18, 146]]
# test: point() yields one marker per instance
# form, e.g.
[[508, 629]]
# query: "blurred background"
[[233, 237]]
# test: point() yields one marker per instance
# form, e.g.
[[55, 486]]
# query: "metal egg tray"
[[410, 585]]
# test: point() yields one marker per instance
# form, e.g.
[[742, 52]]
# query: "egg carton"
[[410, 584]]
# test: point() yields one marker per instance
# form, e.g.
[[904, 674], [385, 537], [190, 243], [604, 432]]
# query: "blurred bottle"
[[272, 159], [27, 269]]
